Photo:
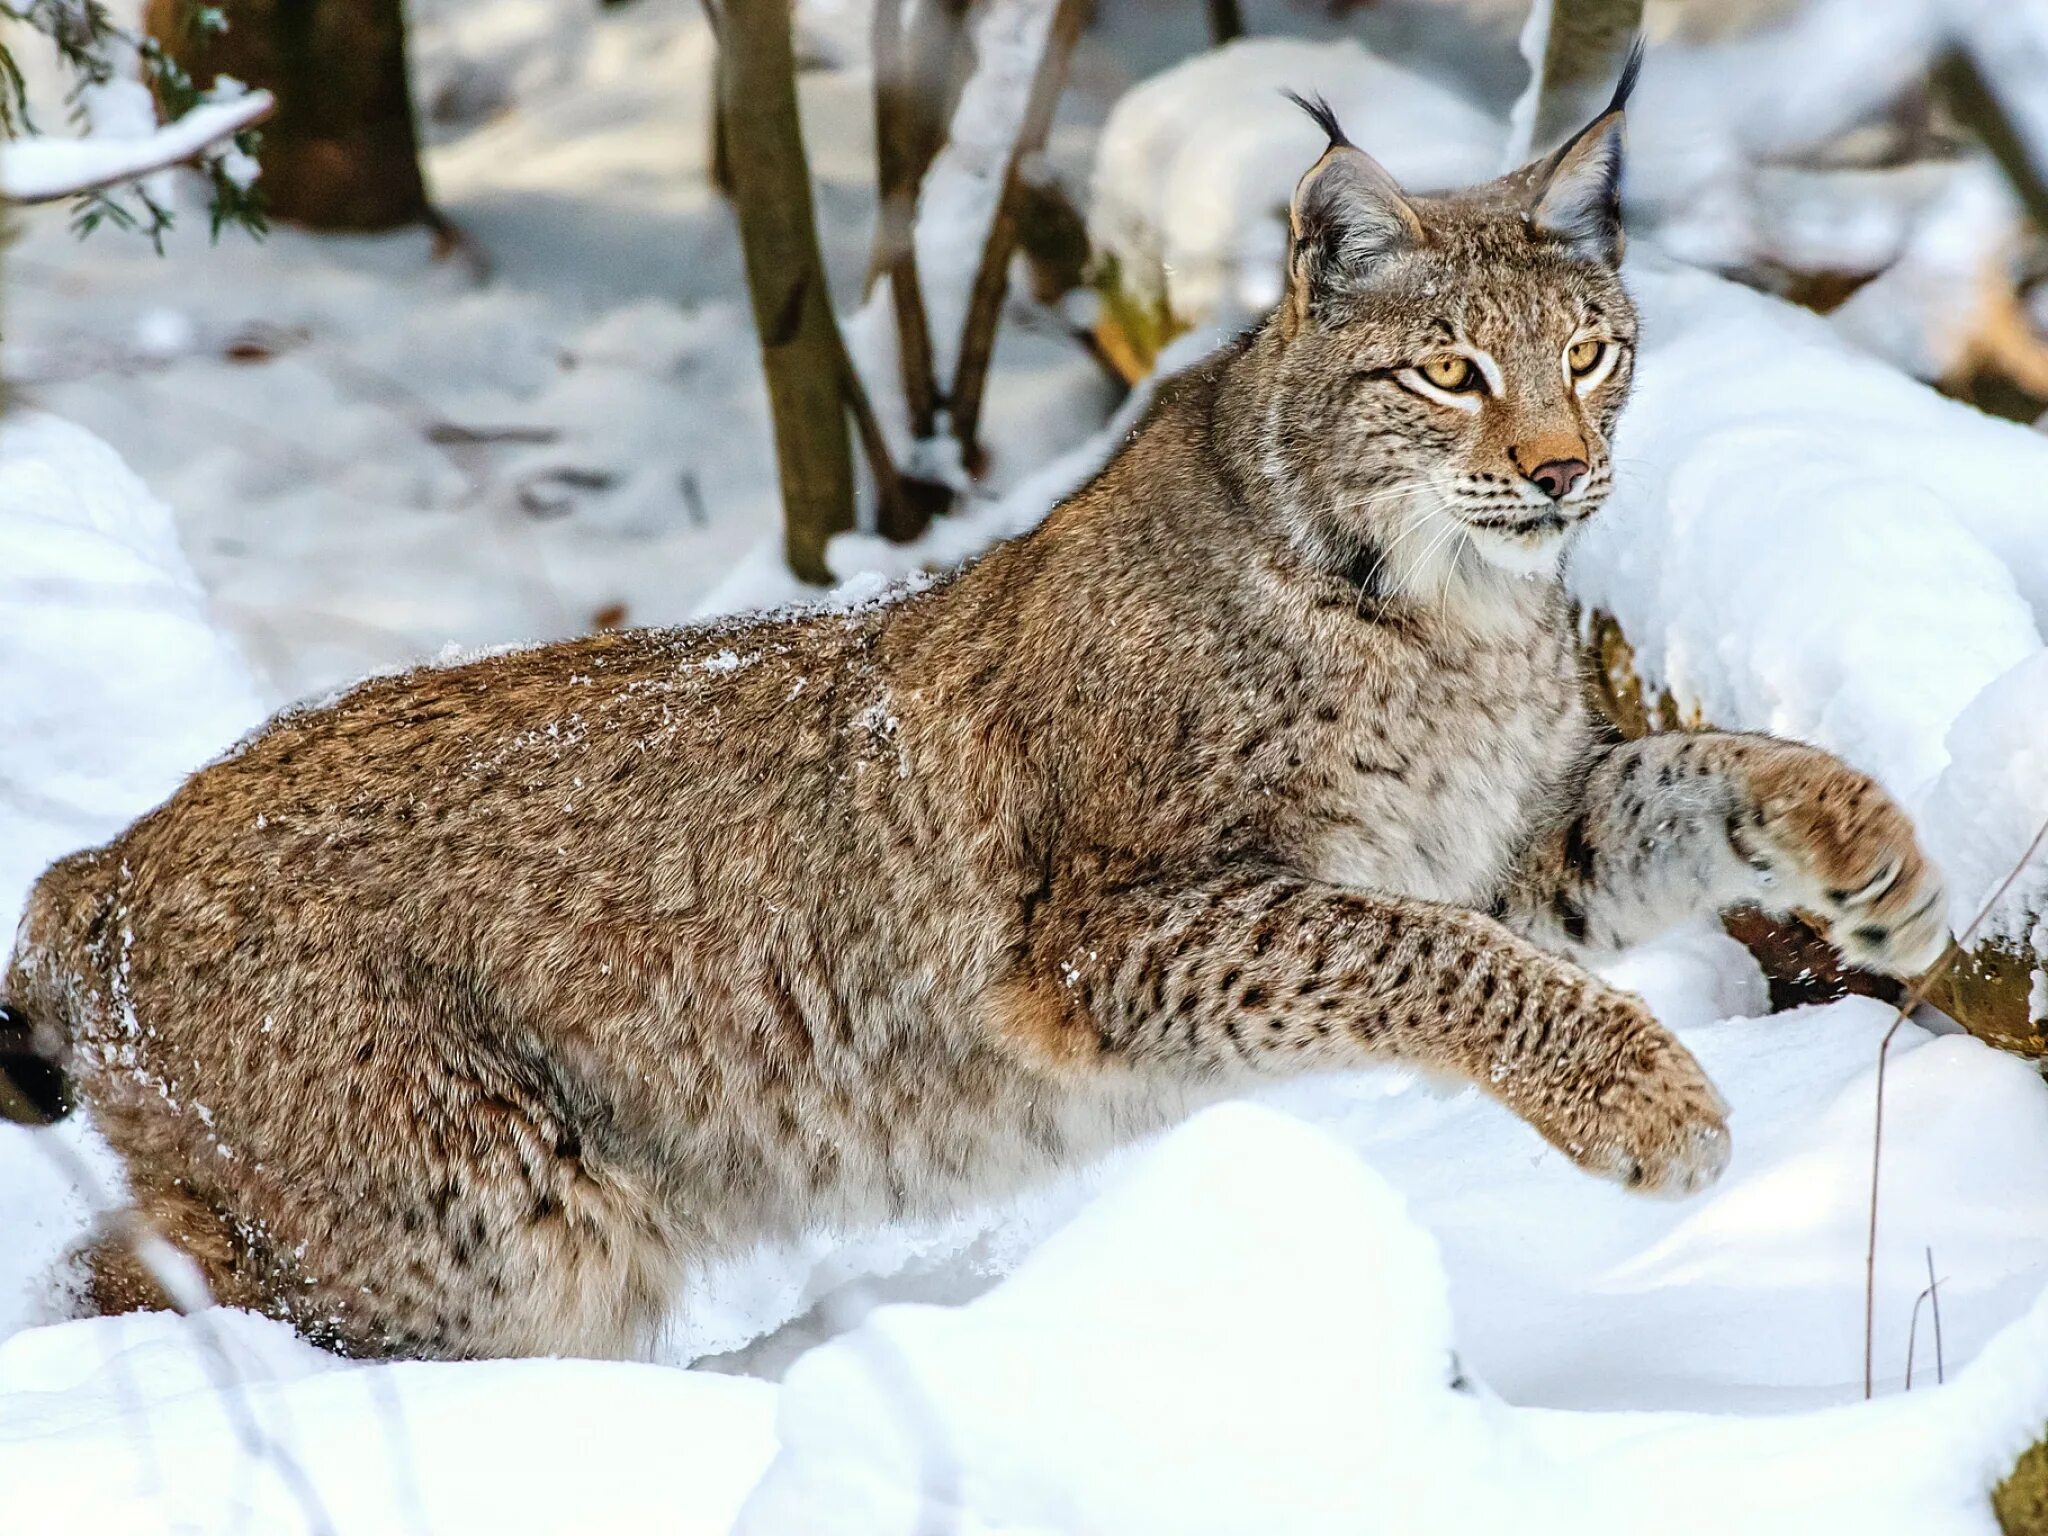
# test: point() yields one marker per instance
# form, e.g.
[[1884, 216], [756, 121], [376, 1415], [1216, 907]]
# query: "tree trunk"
[[801, 351], [342, 151], [1226, 22]]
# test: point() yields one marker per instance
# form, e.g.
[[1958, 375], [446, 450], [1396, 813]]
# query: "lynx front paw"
[[1643, 1113], [1835, 845]]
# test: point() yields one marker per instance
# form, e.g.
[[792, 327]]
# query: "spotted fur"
[[464, 1015]]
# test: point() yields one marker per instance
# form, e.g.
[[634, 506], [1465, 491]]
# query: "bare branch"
[[940, 59], [895, 518], [991, 278]]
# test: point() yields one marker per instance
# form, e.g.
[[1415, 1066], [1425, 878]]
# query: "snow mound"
[[1992, 799], [116, 684], [225, 1421], [1196, 164], [1245, 1332], [1249, 1332]]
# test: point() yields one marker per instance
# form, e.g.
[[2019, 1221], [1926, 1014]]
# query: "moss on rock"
[[2021, 1501]]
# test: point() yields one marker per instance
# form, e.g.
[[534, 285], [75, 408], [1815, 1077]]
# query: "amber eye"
[[1449, 370], [1584, 356]]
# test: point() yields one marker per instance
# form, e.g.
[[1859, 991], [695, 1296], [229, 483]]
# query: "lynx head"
[[1450, 367]]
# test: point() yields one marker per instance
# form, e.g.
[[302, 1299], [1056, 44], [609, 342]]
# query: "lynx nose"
[[1560, 477]]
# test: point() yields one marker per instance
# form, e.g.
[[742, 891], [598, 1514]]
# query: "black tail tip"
[[1325, 117], [33, 1089]]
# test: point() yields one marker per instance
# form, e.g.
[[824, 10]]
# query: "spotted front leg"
[[1242, 975], [1659, 830]]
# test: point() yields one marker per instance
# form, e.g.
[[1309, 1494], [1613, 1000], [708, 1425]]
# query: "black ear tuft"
[[1325, 117], [1578, 189], [1625, 87], [1346, 216]]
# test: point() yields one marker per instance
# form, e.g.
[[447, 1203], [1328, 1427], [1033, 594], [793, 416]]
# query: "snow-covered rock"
[[1196, 165]]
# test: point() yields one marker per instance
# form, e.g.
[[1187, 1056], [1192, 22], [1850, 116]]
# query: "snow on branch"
[[115, 171], [48, 170]]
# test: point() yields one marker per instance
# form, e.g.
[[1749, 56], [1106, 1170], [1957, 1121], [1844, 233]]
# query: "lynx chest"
[[1442, 757]]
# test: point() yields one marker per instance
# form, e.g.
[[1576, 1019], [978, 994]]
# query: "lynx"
[[462, 1016]]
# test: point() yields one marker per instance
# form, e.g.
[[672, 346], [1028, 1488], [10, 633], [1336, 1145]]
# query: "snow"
[[1993, 798], [125, 142], [1253, 1334], [123, 1424], [374, 453], [1935, 282], [1258, 1322], [118, 681]]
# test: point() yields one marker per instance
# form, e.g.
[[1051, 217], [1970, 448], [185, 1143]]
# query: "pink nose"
[[1560, 477]]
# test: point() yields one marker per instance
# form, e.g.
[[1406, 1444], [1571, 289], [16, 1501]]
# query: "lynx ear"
[[1347, 214], [1577, 192]]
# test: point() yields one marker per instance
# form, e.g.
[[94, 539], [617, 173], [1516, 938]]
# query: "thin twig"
[[1913, 999], [1930, 1292], [1934, 1295], [1913, 1334]]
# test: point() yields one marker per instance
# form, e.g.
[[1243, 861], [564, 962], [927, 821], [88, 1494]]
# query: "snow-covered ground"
[[1355, 1306], [1362, 1308]]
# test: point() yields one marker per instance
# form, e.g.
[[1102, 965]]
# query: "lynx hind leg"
[[580, 1283], [127, 1265], [1843, 850]]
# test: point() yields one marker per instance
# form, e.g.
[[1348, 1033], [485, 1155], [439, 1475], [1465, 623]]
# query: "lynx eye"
[[1582, 357], [1451, 371]]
